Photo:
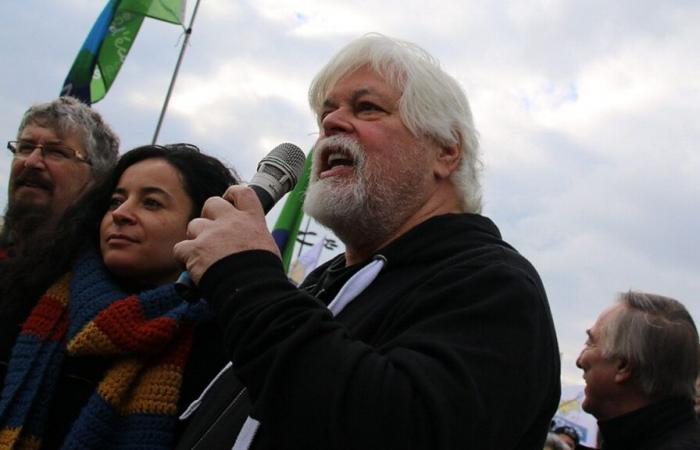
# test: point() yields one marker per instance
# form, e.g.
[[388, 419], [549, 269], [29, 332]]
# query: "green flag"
[[287, 225], [172, 11], [110, 40]]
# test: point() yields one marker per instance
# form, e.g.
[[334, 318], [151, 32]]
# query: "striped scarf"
[[146, 336]]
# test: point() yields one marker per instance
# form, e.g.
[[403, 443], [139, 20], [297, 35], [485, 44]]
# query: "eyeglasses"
[[51, 152]]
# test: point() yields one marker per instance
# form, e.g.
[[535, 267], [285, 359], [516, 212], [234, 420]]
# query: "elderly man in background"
[[61, 147], [429, 332], [640, 363]]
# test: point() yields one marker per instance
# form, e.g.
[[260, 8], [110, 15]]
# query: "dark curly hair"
[[28, 274]]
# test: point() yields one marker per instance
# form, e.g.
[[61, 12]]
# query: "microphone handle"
[[265, 198]]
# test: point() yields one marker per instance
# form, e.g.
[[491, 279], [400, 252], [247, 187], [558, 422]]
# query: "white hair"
[[658, 337], [432, 103]]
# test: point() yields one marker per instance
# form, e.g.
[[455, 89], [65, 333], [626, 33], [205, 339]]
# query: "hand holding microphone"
[[236, 222]]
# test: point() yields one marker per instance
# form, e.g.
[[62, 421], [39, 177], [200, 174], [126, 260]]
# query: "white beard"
[[363, 208]]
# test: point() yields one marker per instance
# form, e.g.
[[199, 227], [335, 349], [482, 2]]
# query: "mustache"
[[341, 142], [33, 177]]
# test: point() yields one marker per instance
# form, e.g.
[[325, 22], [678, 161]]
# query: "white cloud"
[[237, 79], [313, 19]]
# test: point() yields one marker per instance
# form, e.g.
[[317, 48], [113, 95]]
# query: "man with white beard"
[[429, 332]]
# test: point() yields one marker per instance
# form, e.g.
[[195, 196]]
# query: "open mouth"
[[337, 158], [336, 162]]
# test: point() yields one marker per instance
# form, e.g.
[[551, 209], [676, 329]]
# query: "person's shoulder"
[[684, 437], [682, 434], [459, 245], [479, 245]]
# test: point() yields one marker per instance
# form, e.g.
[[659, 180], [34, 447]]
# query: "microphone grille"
[[287, 157]]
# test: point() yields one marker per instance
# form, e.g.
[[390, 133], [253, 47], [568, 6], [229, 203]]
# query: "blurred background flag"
[[287, 226], [105, 49], [306, 262], [571, 413]]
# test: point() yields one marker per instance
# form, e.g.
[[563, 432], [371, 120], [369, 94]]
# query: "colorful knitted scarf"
[[148, 338]]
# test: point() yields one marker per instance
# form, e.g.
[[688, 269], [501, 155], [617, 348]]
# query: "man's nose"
[[337, 121], [35, 159]]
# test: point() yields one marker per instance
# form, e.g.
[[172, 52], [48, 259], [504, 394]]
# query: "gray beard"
[[346, 208], [363, 210]]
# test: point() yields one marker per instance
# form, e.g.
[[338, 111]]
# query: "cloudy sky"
[[587, 113]]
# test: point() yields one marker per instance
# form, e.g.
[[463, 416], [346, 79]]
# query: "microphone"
[[277, 174]]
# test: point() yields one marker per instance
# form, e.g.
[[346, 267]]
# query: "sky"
[[587, 113]]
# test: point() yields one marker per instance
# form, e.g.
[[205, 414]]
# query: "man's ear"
[[624, 371], [447, 160]]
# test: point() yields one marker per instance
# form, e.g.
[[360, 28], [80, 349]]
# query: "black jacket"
[[452, 346], [670, 424]]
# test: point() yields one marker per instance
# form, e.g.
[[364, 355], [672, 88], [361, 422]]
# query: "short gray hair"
[[432, 102], [69, 115], [657, 336]]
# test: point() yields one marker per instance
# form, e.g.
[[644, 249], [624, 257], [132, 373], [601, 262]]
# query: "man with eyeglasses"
[[62, 147]]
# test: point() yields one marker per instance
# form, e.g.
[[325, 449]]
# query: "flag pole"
[[188, 32]]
